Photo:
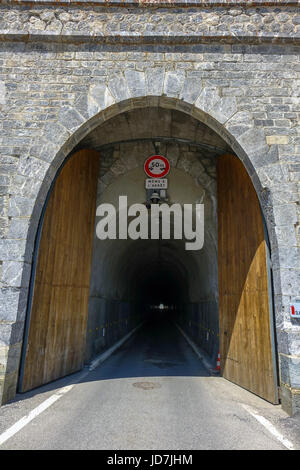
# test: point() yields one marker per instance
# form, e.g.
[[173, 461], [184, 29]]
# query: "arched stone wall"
[[106, 99], [206, 105]]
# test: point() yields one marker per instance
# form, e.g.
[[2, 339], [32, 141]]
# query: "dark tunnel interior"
[[154, 282], [137, 280]]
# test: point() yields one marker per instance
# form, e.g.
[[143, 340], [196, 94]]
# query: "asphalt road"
[[153, 393]]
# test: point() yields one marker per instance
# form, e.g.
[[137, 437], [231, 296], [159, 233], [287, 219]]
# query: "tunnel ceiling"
[[155, 123]]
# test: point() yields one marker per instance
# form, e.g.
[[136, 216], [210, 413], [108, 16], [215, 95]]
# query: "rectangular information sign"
[[156, 183]]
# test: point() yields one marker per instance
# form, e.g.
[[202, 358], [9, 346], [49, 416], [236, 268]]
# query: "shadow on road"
[[156, 350]]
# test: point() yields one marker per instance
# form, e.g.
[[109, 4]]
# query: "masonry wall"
[[65, 67]]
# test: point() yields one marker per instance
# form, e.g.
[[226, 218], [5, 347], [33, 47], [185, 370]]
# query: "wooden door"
[[247, 356], [58, 317]]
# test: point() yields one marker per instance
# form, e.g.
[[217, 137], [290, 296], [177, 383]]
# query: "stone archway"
[[108, 100]]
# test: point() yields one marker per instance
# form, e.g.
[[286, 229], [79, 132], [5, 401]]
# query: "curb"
[[202, 356], [106, 354]]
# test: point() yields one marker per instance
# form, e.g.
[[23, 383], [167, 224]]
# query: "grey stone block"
[[253, 142], [12, 250], [224, 109], [20, 206], [18, 228], [99, 97], [173, 83], [290, 281], [12, 273], [5, 334], [56, 133], [289, 257], [208, 98], [118, 88], [2, 93], [9, 301], [285, 214], [136, 82], [32, 167], [70, 118], [155, 80], [293, 341], [290, 371], [191, 89]]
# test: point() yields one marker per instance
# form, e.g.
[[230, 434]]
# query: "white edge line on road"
[[61, 391], [263, 421], [33, 414], [270, 427]]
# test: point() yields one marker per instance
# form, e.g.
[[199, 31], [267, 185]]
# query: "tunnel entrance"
[[87, 293]]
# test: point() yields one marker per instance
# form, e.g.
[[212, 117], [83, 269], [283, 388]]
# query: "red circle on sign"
[[157, 166]]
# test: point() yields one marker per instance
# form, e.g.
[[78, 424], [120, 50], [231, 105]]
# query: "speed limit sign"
[[157, 166]]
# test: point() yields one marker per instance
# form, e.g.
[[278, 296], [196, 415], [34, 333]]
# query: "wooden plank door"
[[58, 317], [247, 355]]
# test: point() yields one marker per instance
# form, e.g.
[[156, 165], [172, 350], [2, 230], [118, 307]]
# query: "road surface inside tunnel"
[[152, 393]]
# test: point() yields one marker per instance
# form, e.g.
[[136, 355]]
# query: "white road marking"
[[34, 413], [270, 427], [60, 392]]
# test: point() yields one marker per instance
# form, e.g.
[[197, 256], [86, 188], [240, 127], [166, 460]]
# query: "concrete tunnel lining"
[[125, 273]]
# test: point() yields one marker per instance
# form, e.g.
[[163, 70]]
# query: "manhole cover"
[[146, 385]]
